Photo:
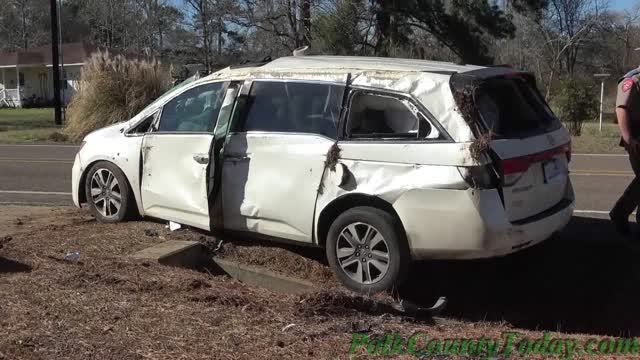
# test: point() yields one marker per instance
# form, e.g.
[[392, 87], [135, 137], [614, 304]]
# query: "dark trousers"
[[630, 199]]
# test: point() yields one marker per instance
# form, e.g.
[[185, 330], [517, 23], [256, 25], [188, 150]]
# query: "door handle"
[[236, 158], [201, 158]]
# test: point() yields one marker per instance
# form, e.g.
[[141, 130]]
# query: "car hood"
[[108, 132]]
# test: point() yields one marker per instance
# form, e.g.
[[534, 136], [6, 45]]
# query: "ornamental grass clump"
[[113, 89]]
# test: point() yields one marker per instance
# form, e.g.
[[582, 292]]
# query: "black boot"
[[621, 223]]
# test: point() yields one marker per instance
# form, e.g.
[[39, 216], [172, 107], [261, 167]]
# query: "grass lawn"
[[28, 125], [594, 141]]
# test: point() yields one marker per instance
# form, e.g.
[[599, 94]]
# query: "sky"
[[623, 4]]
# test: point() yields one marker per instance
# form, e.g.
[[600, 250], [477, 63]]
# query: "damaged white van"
[[379, 161]]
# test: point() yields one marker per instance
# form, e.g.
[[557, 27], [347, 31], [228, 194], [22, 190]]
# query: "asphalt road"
[[41, 174]]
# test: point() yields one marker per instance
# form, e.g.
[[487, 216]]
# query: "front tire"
[[108, 193], [367, 250]]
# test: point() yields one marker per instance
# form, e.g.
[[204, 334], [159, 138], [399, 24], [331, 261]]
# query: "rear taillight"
[[480, 177], [514, 168]]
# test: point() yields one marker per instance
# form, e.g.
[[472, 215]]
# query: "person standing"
[[628, 115]]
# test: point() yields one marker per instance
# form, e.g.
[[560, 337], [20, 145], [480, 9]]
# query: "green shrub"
[[576, 102], [113, 89]]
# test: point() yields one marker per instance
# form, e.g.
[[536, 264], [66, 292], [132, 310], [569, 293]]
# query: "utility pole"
[[55, 58]]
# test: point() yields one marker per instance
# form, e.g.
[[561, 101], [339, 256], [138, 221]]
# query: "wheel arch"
[[82, 196], [345, 202]]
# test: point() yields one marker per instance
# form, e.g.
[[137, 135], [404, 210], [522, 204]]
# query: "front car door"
[[176, 156], [274, 157]]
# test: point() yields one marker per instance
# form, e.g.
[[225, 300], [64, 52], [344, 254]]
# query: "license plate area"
[[551, 169]]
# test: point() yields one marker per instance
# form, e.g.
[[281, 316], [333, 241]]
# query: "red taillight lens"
[[515, 165], [521, 164]]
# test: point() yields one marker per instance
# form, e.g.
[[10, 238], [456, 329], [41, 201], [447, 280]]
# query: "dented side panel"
[[389, 171], [109, 144], [442, 216], [270, 182], [174, 184]]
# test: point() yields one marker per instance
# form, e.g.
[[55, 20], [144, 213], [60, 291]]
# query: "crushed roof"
[[293, 63]]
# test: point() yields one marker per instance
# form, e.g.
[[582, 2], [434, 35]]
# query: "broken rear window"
[[513, 108]]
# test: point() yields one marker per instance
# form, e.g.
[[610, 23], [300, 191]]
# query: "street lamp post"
[[602, 78]]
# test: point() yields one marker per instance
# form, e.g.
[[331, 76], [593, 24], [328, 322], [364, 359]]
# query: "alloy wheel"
[[363, 253], [106, 193]]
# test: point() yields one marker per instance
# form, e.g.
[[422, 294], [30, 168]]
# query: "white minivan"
[[380, 161]]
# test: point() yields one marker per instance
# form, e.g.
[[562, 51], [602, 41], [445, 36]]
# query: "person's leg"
[[635, 165], [628, 201]]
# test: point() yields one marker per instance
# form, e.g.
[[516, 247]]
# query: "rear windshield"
[[513, 108]]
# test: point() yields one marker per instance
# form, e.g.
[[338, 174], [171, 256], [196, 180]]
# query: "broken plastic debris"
[[412, 309], [72, 256], [173, 226], [288, 327], [218, 246], [151, 232]]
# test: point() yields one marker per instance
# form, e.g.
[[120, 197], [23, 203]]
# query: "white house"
[[27, 76]]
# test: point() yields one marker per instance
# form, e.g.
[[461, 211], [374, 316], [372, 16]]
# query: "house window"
[[21, 78]]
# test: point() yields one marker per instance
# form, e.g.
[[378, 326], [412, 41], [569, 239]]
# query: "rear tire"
[[108, 193], [367, 250]]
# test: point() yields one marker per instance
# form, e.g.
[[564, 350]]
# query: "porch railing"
[[11, 97]]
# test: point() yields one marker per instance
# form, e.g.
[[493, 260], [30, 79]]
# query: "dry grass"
[[109, 307], [113, 89], [594, 141]]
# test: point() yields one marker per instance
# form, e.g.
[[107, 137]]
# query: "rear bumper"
[[472, 224]]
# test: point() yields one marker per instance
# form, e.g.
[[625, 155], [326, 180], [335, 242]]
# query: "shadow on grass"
[[8, 266], [583, 280]]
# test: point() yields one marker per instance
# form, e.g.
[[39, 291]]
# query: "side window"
[[382, 116], [294, 107], [193, 110], [145, 125]]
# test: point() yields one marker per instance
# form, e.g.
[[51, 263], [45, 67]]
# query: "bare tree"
[[565, 26], [21, 23], [287, 20]]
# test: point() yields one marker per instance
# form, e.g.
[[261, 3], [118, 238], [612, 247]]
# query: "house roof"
[[73, 53]]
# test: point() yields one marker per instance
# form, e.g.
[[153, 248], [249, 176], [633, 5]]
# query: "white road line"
[[33, 203], [601, 155], [598, 212], [50, 145], [34, 192]]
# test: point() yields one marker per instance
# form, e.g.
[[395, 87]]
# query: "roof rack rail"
[[249, 63]]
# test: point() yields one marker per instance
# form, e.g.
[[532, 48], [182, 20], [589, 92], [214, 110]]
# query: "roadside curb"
[[191, 254], [174, 253], [259, 276]]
